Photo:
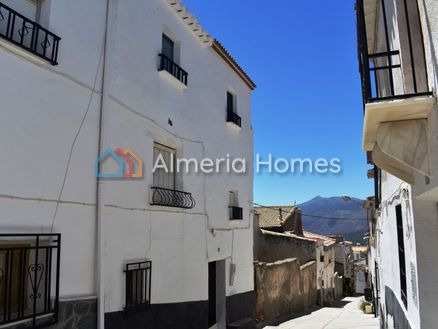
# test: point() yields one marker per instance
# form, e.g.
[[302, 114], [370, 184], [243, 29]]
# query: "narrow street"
[[347, 316]]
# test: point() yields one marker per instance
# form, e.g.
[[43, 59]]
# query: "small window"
[[236, 212], [163, 178], [230, 102], [231, 110], [168, 48], [138, 284], [233, 201]]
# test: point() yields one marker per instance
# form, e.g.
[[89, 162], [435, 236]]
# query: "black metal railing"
[[382, 71], [138, 284], [29, 278], [172, 198], [236, 213], [234, 118], [170, 66], [28, 34]]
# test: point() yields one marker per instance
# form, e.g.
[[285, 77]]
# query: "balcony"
[[28, 35], [232, 117], [236, 213], [29, 279], [172, 198], [169, 66], [396, 95]]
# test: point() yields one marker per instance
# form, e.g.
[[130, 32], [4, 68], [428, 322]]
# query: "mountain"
[[347, 218]]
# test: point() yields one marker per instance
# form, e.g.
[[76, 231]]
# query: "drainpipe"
[[99, 188]]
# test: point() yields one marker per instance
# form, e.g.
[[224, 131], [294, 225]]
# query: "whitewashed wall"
[[392, 195], [42, 108]]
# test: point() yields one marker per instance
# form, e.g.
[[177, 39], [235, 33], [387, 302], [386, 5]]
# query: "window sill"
[[234, 126], [23, 53], [174, 81]]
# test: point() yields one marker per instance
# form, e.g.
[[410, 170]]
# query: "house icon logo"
[[128, 164]]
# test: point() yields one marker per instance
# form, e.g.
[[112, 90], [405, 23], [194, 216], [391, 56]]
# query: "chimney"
[[298, 223]]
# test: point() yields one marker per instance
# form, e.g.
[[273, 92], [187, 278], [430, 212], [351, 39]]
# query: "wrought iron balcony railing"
[[28, 34], [236, 213], [383, 73], [172, 198], [29, 278], [174, 69], [234, 118]]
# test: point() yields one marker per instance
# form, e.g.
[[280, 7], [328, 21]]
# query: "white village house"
[[398, 43], [160, 251]]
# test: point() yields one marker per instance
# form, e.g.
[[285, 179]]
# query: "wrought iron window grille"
[[167, 64], [236, 213], [29, 278], [172, 198], [233, 117], [138, 284]]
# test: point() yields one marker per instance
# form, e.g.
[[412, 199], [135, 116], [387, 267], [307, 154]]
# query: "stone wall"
[[270, 247], [73, 314], [284, 288]]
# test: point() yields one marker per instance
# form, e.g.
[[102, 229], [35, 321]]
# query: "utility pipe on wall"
[[99, 188]]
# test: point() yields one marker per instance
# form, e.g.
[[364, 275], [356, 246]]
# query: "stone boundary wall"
[[284, 288]]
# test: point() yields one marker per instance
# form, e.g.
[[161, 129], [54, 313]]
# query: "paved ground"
[[346, 316]]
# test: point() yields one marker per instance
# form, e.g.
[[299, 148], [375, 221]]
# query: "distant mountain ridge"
[[346, 217]]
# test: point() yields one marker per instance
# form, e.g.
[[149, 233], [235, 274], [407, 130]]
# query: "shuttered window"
[[161, 177]]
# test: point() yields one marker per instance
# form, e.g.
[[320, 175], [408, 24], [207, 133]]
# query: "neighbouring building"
[[281, 243], [360, 268], [108, 243], [285, 267], [343, 256], [397, 47], [325, 259]]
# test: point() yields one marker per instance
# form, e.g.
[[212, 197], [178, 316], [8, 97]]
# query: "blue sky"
[[302, 56]]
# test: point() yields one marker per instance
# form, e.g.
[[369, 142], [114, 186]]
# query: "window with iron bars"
[[29, 279], [138, 284]]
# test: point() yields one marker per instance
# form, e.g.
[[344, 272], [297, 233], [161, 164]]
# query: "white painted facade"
[[418, 201], [45, 107]]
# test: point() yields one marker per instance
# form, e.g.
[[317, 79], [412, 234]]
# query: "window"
[[168, 48], [230, 102], [236, 213], [231, 110], [401, 254], [168, 57], [163, 178], [29, 278], [232, 198], [138, 284]]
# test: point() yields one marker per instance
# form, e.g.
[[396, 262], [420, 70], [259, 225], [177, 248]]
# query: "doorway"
[[216, 295]]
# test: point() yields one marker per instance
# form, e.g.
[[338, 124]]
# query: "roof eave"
[[225, 55]]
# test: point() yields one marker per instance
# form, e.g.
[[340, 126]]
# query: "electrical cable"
[[74, 141]]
